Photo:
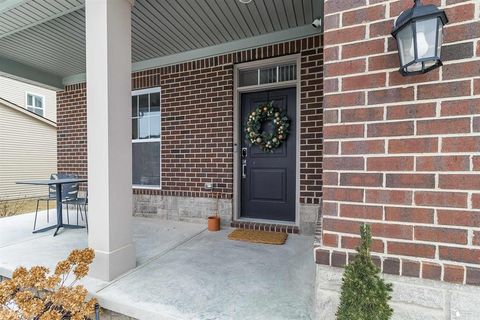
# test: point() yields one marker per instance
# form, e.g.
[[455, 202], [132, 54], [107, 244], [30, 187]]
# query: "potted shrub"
[[214, 220], [37, 294], [365, 294]]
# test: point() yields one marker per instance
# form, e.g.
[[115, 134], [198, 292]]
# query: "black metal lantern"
[[418, 32]]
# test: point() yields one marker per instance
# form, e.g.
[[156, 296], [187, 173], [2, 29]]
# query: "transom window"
[[272, 74], [36, 103], [146, 138]]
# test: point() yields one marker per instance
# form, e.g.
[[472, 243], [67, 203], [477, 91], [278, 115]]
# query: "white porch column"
[[108, 42]]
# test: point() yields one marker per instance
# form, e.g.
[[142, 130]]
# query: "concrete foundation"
[[412, 298], [194, 209]]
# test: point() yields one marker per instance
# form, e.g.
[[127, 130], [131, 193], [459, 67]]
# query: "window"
[[36, 103], [274, 74], [146, 138]]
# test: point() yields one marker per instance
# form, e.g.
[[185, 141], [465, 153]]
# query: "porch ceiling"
[[44, 40]]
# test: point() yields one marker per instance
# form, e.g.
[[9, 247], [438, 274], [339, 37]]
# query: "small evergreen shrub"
[[364, 294]]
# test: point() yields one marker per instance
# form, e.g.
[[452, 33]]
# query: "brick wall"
[[402, 153], [197, 121]]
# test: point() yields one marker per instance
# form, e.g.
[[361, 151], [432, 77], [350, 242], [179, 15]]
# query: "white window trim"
[[137, 93], [44, 107]]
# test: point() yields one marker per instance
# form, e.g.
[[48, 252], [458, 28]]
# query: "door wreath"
[[267, 141]]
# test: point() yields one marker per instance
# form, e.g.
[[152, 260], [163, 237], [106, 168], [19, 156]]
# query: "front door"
[[268, 178]]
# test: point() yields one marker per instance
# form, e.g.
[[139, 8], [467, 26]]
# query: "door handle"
[[244, 167]]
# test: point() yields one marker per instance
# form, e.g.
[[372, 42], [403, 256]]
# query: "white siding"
[[15, 92], [28, 150]]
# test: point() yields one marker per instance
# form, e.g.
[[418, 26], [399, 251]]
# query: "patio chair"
[[52, 191], [79, 202]]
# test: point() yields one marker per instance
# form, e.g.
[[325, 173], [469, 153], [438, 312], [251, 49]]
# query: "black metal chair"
[[52, 195], [79, 202]]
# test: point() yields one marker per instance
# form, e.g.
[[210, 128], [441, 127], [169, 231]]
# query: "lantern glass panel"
[[405, 45], [426, 34], [440, 38]]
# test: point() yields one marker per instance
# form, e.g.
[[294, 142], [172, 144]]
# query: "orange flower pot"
[[213, 223]]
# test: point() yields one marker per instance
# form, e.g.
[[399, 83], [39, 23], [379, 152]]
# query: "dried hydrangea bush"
[[36, 294]]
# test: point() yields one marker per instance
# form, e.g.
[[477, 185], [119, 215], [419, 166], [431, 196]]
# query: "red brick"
[[460, 254], [390, 164], [344, 99], [460, 181], [361, 179], [476, 84], [420, 110], [389, 196], [364, 48], [344, 67], [416, 145], [441, 199], [322, 256], [460, 13], [445, 126], [362, 114], [332, 21], [435, 234], [476, 163], [457, 51], [390, 95], [476, 201], [410, 181], [363, 15], [361, 211], [336, 6], [396, 231], [397, 7], [330, 85], [330, 178], [343, 131], [363, 147], [339, 259], [397, 79], [331, 53], [472, 276], [344, 35], [330, 240], [343, 194], [353, 242], [330, 147], [431, 271], [410, 268], [443, 90], [409, 214], [330, 116], [454, 274], [343, 163], [381, 29], [465, 69], [460, 107], [391, 266], [364, 81], [461, 32], [411, 249], [343, 226], [390, 129], [443, 163], [329, 209], [461, 144], [459, 218], [382, 62]]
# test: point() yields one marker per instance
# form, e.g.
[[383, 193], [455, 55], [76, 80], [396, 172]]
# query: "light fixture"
[[245, 1], [418, 32], [317, 23]]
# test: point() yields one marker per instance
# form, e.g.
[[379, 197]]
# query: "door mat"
[[257, 236]]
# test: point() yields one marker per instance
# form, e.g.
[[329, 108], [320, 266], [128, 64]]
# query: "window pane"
[[143, 104], [155, 102], [29, 100], [134, 129], [38, 102], [287, 73], [134, 106], [268, 75], [146, 163], [248, 78], [154, 127], [143, 130]]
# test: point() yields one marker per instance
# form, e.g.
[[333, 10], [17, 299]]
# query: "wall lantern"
[[418, 32]]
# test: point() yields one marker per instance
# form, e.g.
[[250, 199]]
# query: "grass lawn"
[[20, 206]]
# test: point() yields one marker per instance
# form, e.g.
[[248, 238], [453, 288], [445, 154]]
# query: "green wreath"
[[267, 141]]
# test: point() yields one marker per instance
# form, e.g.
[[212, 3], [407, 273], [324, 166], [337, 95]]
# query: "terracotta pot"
[[213, 223]]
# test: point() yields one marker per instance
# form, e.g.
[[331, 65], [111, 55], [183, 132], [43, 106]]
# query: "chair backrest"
[[69, 190], [52, 189]]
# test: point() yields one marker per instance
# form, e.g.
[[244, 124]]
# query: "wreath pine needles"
[[267, 141]]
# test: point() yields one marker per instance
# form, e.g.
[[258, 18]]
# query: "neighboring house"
[[28, 147], [365, 143]]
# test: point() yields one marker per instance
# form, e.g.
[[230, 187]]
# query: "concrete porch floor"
[[183, 271]]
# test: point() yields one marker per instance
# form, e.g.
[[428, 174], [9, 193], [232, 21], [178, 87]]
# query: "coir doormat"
[[257, 236]]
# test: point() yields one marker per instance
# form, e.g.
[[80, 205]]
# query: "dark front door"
[[268, 178]]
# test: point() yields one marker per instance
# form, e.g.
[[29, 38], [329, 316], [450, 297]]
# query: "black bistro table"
[[58, 183]]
